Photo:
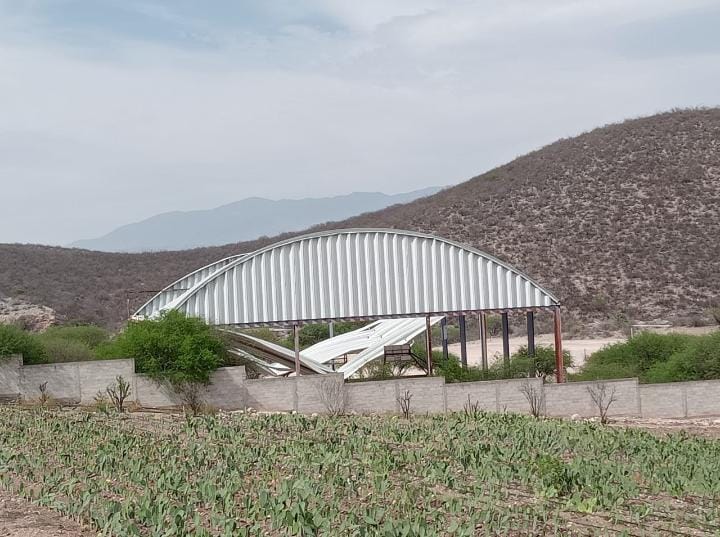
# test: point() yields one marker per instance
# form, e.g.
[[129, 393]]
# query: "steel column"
[[505, 337], [463, 341], [296, 337], [444, 336], [331, 329], [483, 340], [428, 346], [559, 363], [531, 332]]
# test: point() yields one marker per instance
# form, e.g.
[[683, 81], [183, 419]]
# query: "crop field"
[[461, 474]]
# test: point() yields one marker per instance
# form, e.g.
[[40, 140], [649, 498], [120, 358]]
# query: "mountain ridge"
[[240, 220]]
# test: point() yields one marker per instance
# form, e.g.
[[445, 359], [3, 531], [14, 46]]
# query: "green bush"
[[90, 336], [14, 340], [310, 334], [522, 364], [58, 350], [633, 358], [174, 347], [698, 360]]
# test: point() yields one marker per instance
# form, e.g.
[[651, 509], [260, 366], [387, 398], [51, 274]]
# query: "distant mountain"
[[621, 223], [242, 220]]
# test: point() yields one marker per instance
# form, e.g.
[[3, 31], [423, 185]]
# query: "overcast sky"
[[114, 110]]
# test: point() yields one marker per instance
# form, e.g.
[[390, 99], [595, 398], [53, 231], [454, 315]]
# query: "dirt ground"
[[20, 518], [579, 348]]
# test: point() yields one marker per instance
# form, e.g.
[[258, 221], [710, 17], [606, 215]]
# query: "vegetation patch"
[[460, 474]]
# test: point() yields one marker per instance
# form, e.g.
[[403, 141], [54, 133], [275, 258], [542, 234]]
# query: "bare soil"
[[20, 518]]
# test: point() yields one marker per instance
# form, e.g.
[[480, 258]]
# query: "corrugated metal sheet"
[[360, 273], [181, 286]]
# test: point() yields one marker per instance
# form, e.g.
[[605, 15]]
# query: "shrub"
[[14, 340], [452, 369], [698, 360], [522, 364], [89, 335], [174, 347], [58, 350], [633, 358]]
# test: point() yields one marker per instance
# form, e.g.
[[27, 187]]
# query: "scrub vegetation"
[[463, 474]]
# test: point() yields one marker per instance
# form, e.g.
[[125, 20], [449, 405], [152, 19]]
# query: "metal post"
[[559, 365], [296, 336], [428, 347], [463, 341], [483, 340], [444, 335], [331, 329], [506, 337], [531, 332]]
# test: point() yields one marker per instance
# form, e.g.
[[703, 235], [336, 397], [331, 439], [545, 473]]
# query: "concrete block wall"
[[63, 382], [372, 397], [662, 400], [79, 382], [309, 391], [271, 394], [574, 398], [10, 377], [96, 376]]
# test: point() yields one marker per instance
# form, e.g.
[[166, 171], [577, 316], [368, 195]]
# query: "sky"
[[112, 111]]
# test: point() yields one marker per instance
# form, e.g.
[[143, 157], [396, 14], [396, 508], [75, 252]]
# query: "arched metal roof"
[[181, 286], [357, 274]]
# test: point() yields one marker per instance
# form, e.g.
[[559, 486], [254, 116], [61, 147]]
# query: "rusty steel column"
[[506, 337], [463, 341], [296, 337], [428, 346], [483, 340], [559, 365]]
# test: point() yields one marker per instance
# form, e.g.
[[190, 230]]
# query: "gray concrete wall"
[[574, 398], [79, 382], [372, 397], [313, 390], [63, 382], [271, 395], [10, 377], [95, 377], [662, 400], [703, 398]]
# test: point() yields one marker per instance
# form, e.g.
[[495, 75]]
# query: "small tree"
[[535, 395], [404, 401], [333, 395], [603, 398], [118, 393], [45, 396], [190, 396]]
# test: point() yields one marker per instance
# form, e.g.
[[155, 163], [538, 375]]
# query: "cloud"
[[194, 108]]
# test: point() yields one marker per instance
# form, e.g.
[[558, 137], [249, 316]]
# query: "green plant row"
[[462, 474]]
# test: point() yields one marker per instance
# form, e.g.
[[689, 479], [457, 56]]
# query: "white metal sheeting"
[[367, 344], [355, 274], [181, 286]]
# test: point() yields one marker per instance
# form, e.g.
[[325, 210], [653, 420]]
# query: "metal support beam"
[[444, 336], [296, 337], [531, 332], [331, 329], [428, 346], [506, 337], [483, 340], [463, 341], [559, 364]]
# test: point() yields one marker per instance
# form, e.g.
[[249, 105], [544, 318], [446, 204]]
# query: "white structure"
[[354, 274]]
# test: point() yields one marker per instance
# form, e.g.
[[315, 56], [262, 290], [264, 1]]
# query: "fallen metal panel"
[[360, 273]]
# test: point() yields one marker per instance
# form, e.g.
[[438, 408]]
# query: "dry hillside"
[[623, 219]]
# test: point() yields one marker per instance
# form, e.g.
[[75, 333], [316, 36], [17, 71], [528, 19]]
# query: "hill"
[[240, 221], [623, 220]]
